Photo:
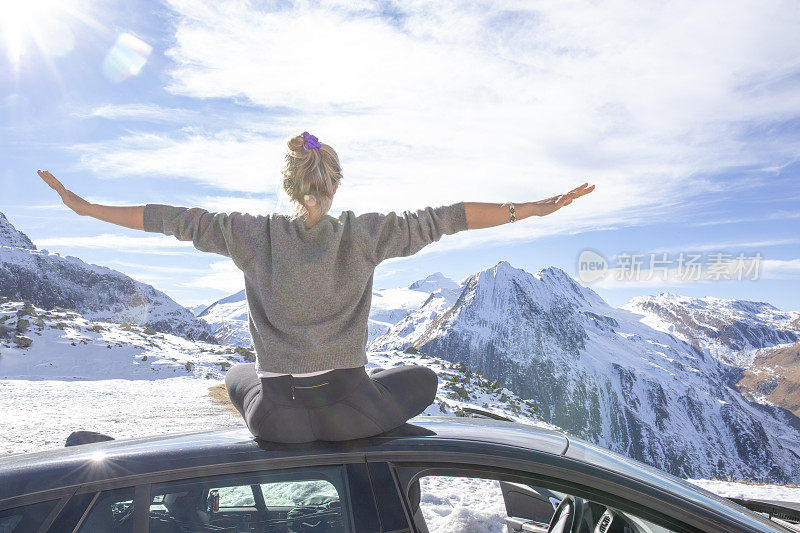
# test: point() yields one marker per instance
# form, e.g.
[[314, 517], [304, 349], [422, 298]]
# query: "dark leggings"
[[341, 404]]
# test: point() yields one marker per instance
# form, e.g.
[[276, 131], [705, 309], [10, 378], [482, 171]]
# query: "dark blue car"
[[226, 481]]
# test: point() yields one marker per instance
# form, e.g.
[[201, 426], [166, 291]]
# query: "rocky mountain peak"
[[731, 330], [435, 281], [11, 236]]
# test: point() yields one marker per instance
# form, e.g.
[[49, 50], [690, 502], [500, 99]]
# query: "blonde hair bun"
[[310, 176]]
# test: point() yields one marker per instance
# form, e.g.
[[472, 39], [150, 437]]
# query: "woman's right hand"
[[70, 199]]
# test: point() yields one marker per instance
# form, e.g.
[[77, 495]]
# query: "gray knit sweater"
[[308, 290]]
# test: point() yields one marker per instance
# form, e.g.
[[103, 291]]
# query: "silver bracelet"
[[511, 214]]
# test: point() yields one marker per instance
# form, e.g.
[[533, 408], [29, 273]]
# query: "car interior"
[[532, 509], [264, 506], [536, 509]]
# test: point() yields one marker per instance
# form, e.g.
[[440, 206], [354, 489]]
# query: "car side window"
[[25, 518], [458, 502], [112, 511], [298, 499]]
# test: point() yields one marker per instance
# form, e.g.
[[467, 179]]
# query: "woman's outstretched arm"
[[129, 216], [220, 233], [487, 215]]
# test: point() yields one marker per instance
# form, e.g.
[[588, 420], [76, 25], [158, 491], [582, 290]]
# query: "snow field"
[[39, 415]]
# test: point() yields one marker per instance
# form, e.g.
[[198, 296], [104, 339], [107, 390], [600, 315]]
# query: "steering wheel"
[[568, 516]]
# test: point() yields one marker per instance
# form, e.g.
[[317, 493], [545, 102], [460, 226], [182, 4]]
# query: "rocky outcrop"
[[774, 377]]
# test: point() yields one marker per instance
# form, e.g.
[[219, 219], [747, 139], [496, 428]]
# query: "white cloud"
[[731, 245], [776, 215], [156, 245], [781, 269], [488, 102], [227, 160], [142, 112]]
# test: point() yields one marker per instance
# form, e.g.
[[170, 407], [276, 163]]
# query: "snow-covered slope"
[[462, 389], [731, 330], [49, 280], [414, 323], [62, 344], [60, 372], [600, 373], [197, 309]]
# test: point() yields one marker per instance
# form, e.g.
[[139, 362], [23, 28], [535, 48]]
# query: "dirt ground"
[[219, 395]]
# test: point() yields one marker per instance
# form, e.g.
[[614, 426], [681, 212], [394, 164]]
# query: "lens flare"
[[126, 58]]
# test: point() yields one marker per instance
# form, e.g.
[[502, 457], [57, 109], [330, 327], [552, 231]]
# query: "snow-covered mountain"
[[390, 306], [731, 330], [434, 282], [759, 340], [49, 280], [227, 320], [414, 323], [601, 373], [11, 236]]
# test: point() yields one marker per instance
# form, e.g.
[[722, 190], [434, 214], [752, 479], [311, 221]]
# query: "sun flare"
[[43, 25]]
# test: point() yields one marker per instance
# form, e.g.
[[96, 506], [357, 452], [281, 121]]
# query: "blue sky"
[[685, 116]]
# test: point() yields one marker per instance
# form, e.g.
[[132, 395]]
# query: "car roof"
[[51, 469], [144, 459]]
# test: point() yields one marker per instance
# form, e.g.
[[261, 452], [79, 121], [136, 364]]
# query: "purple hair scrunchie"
[[310, 142]]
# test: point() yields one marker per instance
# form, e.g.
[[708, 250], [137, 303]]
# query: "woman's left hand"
[[554, 203]]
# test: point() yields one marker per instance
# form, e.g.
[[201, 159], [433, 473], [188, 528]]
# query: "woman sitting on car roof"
[[308, 281]]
